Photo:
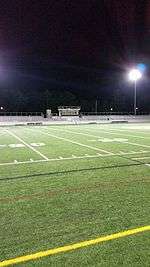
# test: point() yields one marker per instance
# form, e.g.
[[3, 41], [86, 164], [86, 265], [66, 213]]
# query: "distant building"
[[48, 113]]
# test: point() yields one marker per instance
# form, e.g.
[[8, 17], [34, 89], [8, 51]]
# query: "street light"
[[135, 75]]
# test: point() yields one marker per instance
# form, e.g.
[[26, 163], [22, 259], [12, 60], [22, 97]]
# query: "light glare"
[[135, 75]]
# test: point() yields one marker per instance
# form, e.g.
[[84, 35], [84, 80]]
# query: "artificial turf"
[[77, 194]]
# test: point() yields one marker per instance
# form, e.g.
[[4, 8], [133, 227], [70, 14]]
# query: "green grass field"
[[61, 185]]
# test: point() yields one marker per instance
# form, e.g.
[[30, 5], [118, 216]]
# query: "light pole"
[[135, 75], [96, 107]]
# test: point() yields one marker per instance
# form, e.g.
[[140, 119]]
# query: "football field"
[[79, 194]]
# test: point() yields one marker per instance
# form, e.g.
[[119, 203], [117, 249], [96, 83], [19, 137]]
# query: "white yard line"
[[135, 144], [76, 143], [131, 152], [124, 142], [103, 131], [109, 132], [27, 145], [131, 135], [79, 133], [141, 158], [73, 157], [126, 134], [70, 131]]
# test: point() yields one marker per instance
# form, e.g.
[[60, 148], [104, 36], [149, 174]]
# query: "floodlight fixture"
[[135, 75]]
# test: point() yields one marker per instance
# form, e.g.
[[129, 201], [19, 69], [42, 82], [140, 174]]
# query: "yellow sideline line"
[[75, 246]]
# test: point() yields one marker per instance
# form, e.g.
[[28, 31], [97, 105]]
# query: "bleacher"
[[115, 117], [18, 118], [39, 119]]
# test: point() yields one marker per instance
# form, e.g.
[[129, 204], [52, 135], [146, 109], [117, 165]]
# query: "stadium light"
[[135, 75]]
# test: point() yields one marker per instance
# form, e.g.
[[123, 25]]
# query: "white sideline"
[[31, 161], [74, 142], [26, 144]]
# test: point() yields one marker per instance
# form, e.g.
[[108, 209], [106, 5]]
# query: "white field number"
[[21, 145]]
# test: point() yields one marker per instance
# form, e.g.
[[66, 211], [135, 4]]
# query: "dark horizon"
[[60, 53]]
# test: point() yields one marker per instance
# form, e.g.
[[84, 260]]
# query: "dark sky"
[[83, 46]]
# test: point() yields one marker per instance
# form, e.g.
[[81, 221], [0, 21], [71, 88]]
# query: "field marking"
[[135, 144], [101, 155], [146, 164], [70, 131], [109, 132], [122, 142], [102, 139], [79, 245], [131, 135], [131, 152], [73, 157], [141, 158], [74, 142], [21, 145], [26, 144], [126, 134], [23, 162], [130, 130]]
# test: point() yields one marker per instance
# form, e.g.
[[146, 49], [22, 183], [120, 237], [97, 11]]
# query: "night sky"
[[61, 52]]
